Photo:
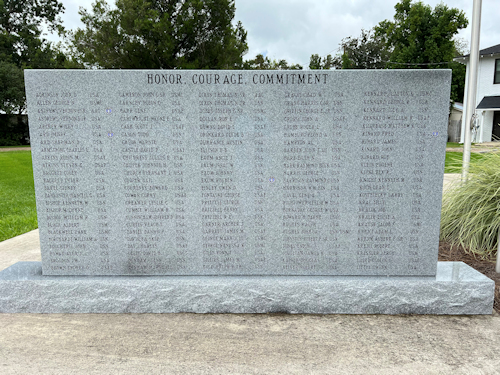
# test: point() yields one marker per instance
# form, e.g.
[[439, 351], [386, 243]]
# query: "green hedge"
[[14, 130]]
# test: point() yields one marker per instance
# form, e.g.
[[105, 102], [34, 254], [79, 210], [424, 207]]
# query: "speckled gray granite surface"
[[238, 172], [457, 289]]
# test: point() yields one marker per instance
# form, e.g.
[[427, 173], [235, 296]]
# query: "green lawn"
[[17, 194], [453, 162]]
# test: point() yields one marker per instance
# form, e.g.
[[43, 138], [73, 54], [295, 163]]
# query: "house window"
[[497, 71]]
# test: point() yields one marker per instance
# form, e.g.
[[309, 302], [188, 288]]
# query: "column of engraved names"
[[62, 156], [381, 181], [261, 128], [338, 231], [100, 165], [223, 233], [306, 183], [420, 120], [147, 169], [179, 132]]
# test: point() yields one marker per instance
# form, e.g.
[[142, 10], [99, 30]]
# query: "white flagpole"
[[471, 85], [471, 99]]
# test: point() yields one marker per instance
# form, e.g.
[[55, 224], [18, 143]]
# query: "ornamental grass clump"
[[470, 214]]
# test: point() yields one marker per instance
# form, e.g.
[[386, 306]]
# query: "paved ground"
[[479, 147], [13, 148], [248, 344], [240, 344]]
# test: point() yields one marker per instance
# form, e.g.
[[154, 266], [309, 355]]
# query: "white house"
[[487, 96]]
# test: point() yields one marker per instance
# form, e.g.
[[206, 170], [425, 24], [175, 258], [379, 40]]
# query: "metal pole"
[[471, 84]]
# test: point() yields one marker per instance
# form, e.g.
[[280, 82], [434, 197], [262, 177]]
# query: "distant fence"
[[14, 130]]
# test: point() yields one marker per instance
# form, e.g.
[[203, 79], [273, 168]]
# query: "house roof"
[[493, 50], [490, 50], [490, 102]]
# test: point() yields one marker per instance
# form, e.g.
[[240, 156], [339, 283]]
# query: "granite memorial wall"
[[238, 172]]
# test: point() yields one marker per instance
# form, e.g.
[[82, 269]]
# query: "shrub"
[[471, 211], [14, 130]]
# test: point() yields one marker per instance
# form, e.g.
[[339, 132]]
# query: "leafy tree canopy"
[[165, 34], [364, 52], [12, 95], [22, 46], [317, 62], [418, 37], [264, 63], [20, 25], [420, 34]]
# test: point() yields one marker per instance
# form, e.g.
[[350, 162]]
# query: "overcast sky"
[[295, 29]]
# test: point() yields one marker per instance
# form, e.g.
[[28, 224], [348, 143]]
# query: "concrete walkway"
[[479, 148], [240, 344]]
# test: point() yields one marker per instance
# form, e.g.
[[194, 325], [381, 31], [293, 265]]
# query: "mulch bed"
[[485, 266]]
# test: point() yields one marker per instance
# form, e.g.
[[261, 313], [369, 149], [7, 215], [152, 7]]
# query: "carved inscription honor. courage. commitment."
[[238, 172]]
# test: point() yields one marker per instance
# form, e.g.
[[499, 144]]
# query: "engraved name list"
[[238, 172]]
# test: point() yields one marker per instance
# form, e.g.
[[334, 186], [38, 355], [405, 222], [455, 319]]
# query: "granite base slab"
[[457, 289]]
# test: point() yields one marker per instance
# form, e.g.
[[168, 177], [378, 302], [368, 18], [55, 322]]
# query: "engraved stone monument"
[[240, 191]]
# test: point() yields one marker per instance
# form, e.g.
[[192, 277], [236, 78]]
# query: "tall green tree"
[[317, 62], [421, 35], [12, 95], [418, 37], [265, 63], [23, 47], [366, 51], [165, 34], [458, 72]]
